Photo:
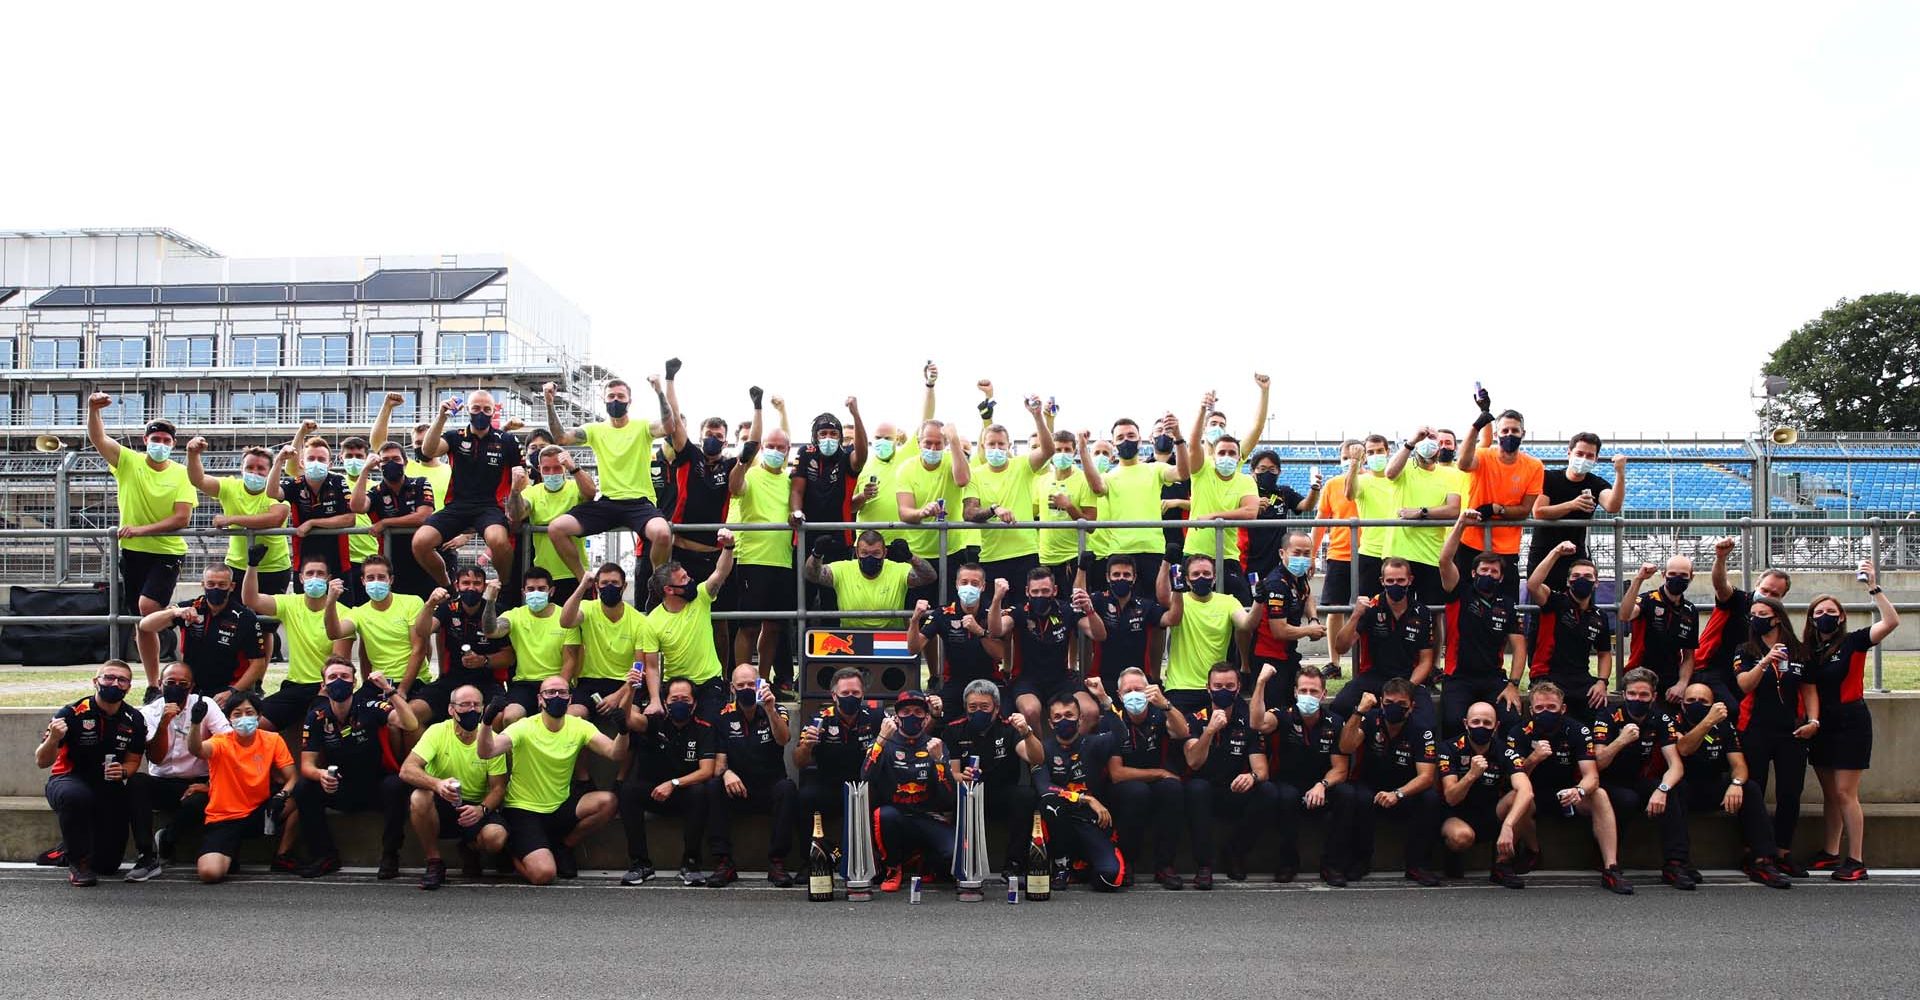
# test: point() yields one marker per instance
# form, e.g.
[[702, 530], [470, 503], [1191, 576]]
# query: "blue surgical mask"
[[314, 587], [1376, 463], [1062, 461], [379, 590], [931, 456], [1299, 565], [1227, 465], [554, 483], [1103, 464], [246, 724], [829, 446], [316, 471], [1212, 434], [536, 601], [159, 452], [1306, 703], [968, 593], [997, 457], [883, 449], [254, 482], [354, 466], [773, 458], [1426, 449], [1135, 702]]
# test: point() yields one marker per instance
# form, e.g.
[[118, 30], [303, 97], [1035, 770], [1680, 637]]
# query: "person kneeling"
[[241, 803], [1486, 788]]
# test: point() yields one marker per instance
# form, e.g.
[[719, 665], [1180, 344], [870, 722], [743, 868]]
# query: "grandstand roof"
[[184, 242]]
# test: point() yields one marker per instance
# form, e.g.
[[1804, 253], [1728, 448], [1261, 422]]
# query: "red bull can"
[[1013, 888], [913, 890]]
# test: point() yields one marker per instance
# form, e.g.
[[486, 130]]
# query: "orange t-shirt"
[[240, 778], [1507, 484], [1334, 503]]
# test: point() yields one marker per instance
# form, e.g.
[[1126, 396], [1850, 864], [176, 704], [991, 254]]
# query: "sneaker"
[[323, 865], [80, 876], [1333, 878], [1284, 875], [1694, 874], [435, 875], [1823, 862], [1850, 870], [144, 868], [1674, 873], [723, 874], [564, 864], [389, 867], [1422, 877], [690, 874], [163, 843], [1526, 862], [777, 874], [1788, 866], [1769, 874], [895, 876], [1203, 879], [1502, 875], [1169, 879], [1615, 881], [472, 866], [1236, 867], [1453, 865], [638, 872], [1331, 672], [283, 863], [52, 857]]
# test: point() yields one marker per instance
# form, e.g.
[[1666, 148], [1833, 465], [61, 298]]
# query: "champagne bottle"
[[819, 866], [1039, 869]]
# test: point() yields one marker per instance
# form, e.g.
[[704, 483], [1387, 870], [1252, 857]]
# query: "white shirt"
[[179, 762]]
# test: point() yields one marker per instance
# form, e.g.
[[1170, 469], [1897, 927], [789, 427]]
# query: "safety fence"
[[1749, 534]]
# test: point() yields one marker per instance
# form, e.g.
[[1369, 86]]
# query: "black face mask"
[[175, 694], [1127, 450], [469, 720], [555, 706], [1636, 709], [1676, 585], [743, 700], [480, 421], [1580, 587], [616, 408], [470, 598], [1546, 721], [1393, 713], [712, 446], [1223, 697], [870, 565], [684, 591], [1395, 591], [1200, 585], [1486, 584], [1163, 444], [1759, 626], [339, 689], [679, 711], [1694, 712], [1039, 607], [419, 454], [216, 596], [847, 703], [979, 721], [1509, 443], [110, 694], [1268, 482], [1444, 456], [1479, 736], [1120, 589], [610, 594], [1826, 624], [393, 472]]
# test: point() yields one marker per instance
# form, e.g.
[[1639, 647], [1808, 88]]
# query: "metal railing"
[[1743, 530]]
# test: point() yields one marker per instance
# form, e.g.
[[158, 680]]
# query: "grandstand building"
[[241, 351]]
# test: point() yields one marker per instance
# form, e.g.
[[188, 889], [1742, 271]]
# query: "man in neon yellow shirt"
[[244, 505], [540, 644], [1201, 628], [1003, 491], [934, 488], [388, 643], [545, 817], [1134, 494], [456, 795], [683, 625], [877, 578], [154, 498], [1374, 499], [622, 450], [563, 486], [1425, 490], [1067, 494], [304, 616], [878, 500], [617, 646], [1220, 490], [761, 493]]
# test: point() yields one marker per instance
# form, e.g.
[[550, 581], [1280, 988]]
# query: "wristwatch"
[[1398, 795], [1737, 782], [676, 782], [1664, 787]]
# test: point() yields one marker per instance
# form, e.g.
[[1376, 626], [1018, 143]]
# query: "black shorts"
[[450, 828], [1369, 575], [525, 694], [226, 836], [435, 695], [355, 593], [1045, 688], [1845, 739], [1014, 571], [454, 520], [275, 582], [287, 707], [603, 514], [1426, 583], [1336, 585], [529, 831], [584, 688], [765, 588], [1480, 812], [147, 574]]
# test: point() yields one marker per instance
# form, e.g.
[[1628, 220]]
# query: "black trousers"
[[1293, 813], [93, 820], [769, 798], [1012, 805], [1140, 805], [1704, 792], [1630, 804], [1418, 814], [384, 793], [1786, 758], [1073, 836], [1250, 811], [825, 794], [898, 833], [689, 802], [147, 793]]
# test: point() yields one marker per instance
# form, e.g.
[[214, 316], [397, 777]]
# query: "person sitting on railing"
[[622, 446], [1568, 632], [1133, 494], [761, 494], [1666, 627], [244, 504], [154, 500], [563, 486], [1044, 629], [682, 621], [484, 460], [350, 761], [397, 503], [1202, 626], [1003, 491], [1481, 628], [934, 488], [1066, 494], [878, 577], [318, 499], [823, 477], [1504, 488], [91, 747], [221, 640], [700, 474], [1373, 499], [1220, 490], [304, 616], [1842, 744], [390, 644], [1574, 495], [1425, 490], [1725, 631], [437, 473]]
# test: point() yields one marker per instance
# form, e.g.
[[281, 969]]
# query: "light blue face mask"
[[354, 466], [883, 449], [1426, 449], [254, 482], [773, 458], [1212, 434], [968, 593], [1063, 462], [246, 724], [537, 601], [379, 590], [316, 471], [1103, 463], [314, 587], [159, 452], [997, 457], [554, 484], [931, 456], [829, 447], [1579, 465], [1306, 703], [1135, 702], [1298, 565], [1376, 463], [1227, 465]]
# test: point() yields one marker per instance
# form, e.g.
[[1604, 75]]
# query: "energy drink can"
[[1013, 888], [913, 890]]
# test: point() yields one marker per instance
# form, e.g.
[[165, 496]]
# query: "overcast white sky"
[[1608, 214]]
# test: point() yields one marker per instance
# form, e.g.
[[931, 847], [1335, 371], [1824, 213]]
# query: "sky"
[[1609, 215]]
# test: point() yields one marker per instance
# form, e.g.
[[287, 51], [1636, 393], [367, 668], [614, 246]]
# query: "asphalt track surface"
[[1562, 937]]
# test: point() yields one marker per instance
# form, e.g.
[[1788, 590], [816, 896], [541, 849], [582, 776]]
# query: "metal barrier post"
[[62, 517], [1080, 641], [1746, 553], [1873, 554], [1353, 560], [1619, 583], [796, 641], [113, 595]]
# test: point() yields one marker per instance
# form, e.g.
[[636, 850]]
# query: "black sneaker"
[[1203, 879], [638, 872], [723, 874], [1674, 873], [472, 866], [144, 868], [1422, 877], [690, 875], [1788, 866], [1333, 878], [435, 875], [81, 877], [1285, 875], [1331, 671], [778, 875], [1850, 870], [1502, 875], [1615, 881], [563, 863], [52, 857], [1822, 862], [1169, 879], [282, 863], [389, 867], [324, 865], [1061, 880], [1526, 861], [1767, 873], [1236, 867]]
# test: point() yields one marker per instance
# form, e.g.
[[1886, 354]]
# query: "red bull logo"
[[829, 644]]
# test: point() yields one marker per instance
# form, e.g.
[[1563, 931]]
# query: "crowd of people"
[[1127, 685]]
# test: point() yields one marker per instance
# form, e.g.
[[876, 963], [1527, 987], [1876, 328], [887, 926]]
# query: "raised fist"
[[196, 445], [199, 713], [98, 401], [723, 538], [673, 368], [1566, 549], [1723, 546], [1368, 702], [439, 596], [1645, 572], [755, 393], [1261, 380]]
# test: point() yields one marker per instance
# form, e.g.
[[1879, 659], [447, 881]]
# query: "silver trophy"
[[970, 836], [858, 824]]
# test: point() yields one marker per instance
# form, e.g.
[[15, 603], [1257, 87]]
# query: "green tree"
[[1855, 368]]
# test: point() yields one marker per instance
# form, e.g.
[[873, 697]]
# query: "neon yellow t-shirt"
[[1058, 545], [608, 648], [764, 499], [1375, 498], [537, 642], [543, 759], [437, 475], [1133, 494], [359, 547], [686, 638], [1416, 488], [1213, 495], [307, 644], [1010, 488], [444, 756], [886, 505], [386, 635], [147, 495], [235, 501], [1203, 638], [543, 506], [853, 591], [923, 485], [625, 458]]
